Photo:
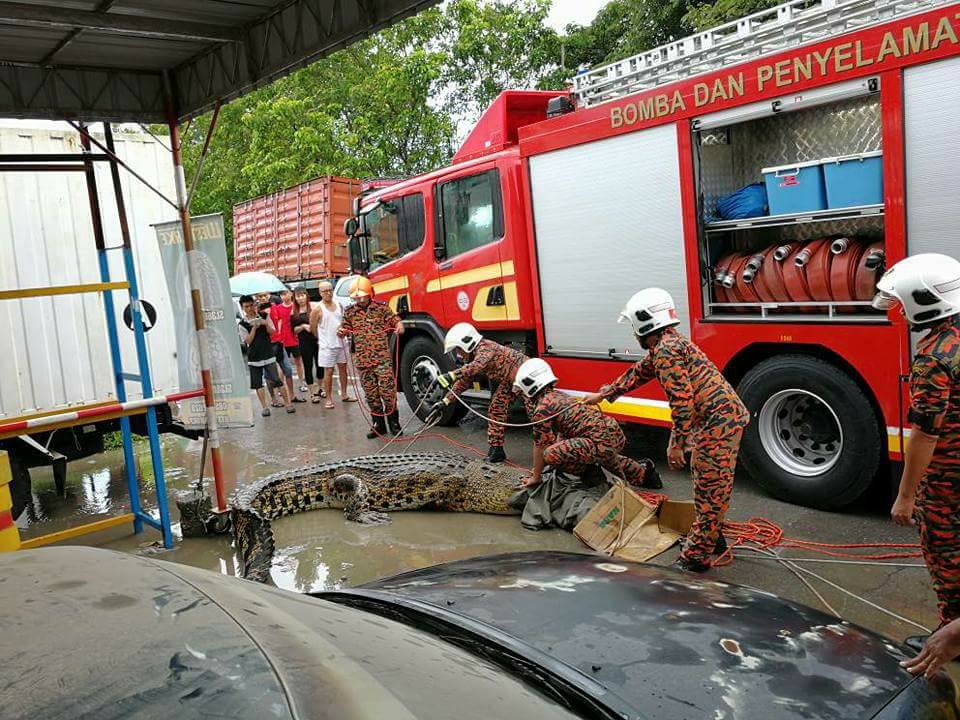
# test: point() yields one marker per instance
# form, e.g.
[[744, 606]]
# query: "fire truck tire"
[[421, 361], [813, 437]]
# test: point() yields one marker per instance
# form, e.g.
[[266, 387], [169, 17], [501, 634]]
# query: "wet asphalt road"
[[321, 550]]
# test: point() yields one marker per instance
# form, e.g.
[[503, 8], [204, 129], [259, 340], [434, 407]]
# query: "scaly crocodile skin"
[[365, 488]]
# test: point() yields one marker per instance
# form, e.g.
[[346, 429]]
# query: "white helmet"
[[533, 376], [650, 310], [927, 286], [463, 336]]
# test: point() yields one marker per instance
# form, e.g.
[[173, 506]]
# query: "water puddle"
[[315, 551], [323, 551]]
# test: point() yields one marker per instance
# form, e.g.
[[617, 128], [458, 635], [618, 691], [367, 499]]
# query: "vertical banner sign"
[[222, 348]]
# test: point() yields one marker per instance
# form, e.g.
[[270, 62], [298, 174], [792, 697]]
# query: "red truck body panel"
[[296, 233]]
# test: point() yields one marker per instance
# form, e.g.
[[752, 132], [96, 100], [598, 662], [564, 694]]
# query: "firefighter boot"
[[393, 421], [378, 429], [495, 454]]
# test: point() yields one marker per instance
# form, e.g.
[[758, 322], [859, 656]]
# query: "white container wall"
[[57, 350]]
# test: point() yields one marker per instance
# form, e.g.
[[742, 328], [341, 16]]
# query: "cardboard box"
[[624, 525]]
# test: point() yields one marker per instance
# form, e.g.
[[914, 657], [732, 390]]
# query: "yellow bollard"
[[9, 534]]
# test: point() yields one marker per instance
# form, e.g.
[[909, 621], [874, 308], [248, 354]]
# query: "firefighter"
[[483, 358], [708, 417], [371, 323], [927, 290], [571, 436]]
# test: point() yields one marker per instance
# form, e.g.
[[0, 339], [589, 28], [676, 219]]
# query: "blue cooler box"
[[854, 179], [795, 188]]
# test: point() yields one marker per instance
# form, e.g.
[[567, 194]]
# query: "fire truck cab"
[[453, 246], [542, 227]]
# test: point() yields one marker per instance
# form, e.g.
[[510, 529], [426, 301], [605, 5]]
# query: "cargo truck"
[[56, 348]]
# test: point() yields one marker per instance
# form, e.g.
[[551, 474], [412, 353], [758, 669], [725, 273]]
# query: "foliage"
[[390, 105], [114, 440], [708, 15], [397, 103]]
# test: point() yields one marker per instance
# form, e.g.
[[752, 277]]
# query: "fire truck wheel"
[[813, 437], [421, 361]]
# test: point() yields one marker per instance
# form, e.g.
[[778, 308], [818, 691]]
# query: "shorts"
[[258, 371], [282, 360], [329, 357], [293, 351]]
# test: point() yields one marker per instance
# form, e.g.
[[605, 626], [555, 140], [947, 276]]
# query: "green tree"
[[494, 46], [707, 15], [393, 104]]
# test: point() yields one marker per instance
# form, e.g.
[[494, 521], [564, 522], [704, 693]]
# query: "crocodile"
[[366, 488]]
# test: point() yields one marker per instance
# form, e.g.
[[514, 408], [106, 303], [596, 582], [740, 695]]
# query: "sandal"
[[315, 399], [329, 405], [348, 399], [277, 404]]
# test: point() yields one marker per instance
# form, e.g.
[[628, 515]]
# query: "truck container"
[[56, 356], [296, 233]]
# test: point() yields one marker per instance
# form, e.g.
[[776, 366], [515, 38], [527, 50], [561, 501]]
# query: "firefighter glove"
[[447, 379]]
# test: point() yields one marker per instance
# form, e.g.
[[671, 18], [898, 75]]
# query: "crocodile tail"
[[253, 541]]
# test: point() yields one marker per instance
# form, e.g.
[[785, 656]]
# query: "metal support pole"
[[117, 361], [213, 430], [153, 432], [204, 151]]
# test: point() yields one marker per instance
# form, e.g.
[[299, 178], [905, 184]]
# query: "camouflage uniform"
[[580, 436], [935, 409], [371, 328], [499, 364], [707, 415]]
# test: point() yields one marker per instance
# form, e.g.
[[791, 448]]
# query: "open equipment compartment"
[[818, 264]]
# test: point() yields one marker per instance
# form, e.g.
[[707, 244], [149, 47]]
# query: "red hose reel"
[[838, 269]]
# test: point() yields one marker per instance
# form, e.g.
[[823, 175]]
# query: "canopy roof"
[[113, 59]]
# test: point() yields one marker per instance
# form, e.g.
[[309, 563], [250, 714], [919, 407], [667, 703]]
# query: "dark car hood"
[[88, 633], [673, 645]]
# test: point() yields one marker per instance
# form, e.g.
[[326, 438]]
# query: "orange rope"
[[760, 533]]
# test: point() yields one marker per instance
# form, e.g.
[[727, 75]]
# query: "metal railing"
[[802, 311], [779, 28]]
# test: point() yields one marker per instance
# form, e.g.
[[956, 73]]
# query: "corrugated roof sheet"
[[118, 59]]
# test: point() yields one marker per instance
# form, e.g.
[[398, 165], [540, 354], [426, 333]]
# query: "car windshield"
[[383, 229]]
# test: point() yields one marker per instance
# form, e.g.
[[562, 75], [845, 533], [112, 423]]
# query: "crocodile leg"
[[355, 496]]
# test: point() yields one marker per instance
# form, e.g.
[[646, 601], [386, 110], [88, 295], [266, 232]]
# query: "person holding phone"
[[261, 359]]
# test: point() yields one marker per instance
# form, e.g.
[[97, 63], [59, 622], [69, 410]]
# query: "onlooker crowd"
[[289, 332]]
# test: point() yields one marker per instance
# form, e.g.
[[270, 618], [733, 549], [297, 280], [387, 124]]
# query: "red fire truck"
[[543, 226]]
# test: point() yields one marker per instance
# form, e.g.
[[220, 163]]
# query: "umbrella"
[[251, 283]]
